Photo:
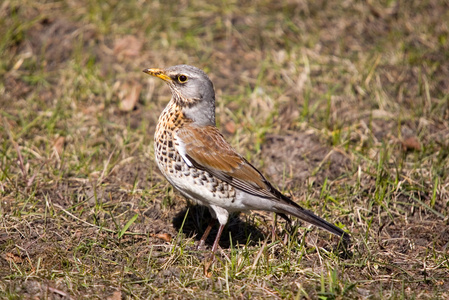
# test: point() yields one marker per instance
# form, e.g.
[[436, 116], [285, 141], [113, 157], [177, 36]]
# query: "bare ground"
[[344, 106]]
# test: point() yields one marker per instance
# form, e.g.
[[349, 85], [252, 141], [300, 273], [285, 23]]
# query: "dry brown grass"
[[343, 105]]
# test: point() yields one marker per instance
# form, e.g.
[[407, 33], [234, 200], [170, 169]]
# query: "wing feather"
[[206, 148]]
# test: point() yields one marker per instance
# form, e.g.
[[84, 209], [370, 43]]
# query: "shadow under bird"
[[196, 159]]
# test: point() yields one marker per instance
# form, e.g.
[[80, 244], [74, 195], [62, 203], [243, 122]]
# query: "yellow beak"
[[158, 73]]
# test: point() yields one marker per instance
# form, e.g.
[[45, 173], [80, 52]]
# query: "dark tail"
[[288, 206], [310, 217]]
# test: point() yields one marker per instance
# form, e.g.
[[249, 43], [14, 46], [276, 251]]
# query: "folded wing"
[[206, 149]]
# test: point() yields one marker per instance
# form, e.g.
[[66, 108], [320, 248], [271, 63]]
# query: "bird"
[[196, 159]]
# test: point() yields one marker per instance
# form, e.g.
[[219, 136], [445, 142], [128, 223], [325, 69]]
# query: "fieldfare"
[[196, 159]]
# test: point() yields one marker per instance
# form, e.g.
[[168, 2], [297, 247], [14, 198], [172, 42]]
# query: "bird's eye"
[[182, 78]]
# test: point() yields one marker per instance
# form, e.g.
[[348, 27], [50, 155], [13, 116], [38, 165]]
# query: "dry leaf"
[[93, 109], [163, 236], [230, 127], [411, 143], [10, 257], [127, 46], [117, 295], [58, 145], [128, 95]]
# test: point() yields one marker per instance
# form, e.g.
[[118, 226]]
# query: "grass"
[[343, 105]]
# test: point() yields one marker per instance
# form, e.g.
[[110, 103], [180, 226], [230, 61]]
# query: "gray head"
[[192, 90]]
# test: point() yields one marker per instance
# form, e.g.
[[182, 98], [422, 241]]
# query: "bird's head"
[[191, 89]]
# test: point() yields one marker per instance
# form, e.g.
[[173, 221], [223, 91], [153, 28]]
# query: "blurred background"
[[342, 104]]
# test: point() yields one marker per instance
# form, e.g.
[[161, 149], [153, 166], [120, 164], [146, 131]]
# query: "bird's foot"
[[208, 262]]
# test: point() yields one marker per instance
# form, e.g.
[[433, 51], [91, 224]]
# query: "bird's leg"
[[206, 233], [211, 259], [217, 238]]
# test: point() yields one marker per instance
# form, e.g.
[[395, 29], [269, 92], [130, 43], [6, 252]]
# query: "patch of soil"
[[296, 157], [403, 246], [54, 40]]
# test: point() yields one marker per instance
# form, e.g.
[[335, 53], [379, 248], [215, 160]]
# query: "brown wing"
[[207, 150]]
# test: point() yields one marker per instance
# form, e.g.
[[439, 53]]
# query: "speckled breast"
[[193, 183]]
